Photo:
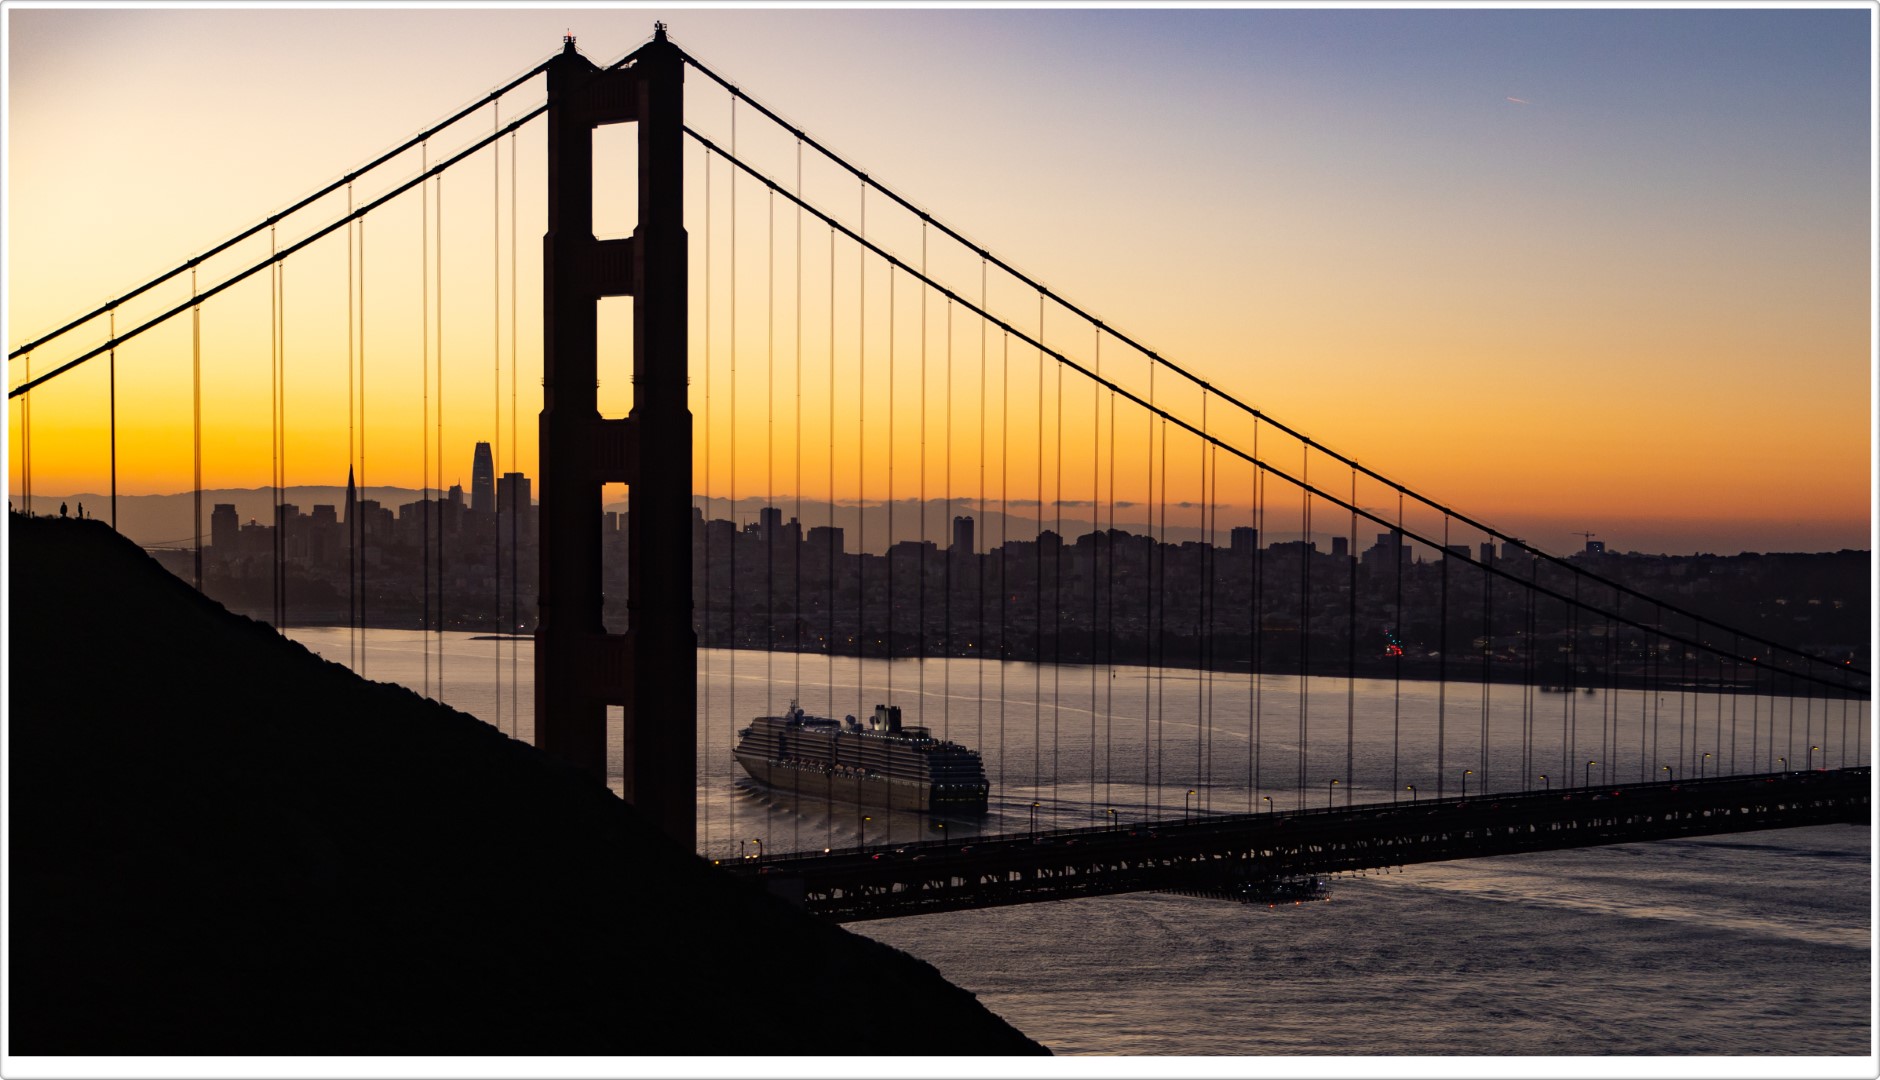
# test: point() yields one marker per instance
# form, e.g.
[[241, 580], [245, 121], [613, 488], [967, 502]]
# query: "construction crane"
[[1589, 539]]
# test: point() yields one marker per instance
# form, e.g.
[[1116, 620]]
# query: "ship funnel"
[[886, 718]]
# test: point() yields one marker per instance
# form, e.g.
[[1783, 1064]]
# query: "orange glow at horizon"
[[1537, 333]]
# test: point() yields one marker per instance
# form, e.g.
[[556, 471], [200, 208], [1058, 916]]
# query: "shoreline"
[[1510, 673]]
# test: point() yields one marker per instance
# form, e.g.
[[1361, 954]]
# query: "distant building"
[[770, 523], [483, 481], [224, 526], [1595, 547], [515, 505], [962, 535], [1243, 540], [1341, 547], [825, 539]]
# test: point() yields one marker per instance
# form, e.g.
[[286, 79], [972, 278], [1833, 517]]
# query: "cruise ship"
[[879, 764]]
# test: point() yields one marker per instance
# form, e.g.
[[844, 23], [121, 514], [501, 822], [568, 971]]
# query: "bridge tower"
[[580, 669]]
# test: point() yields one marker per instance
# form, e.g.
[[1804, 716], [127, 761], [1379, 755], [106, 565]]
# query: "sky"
[[1561, 270]]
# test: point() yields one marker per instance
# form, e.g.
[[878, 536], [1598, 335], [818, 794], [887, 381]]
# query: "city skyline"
[[1631, 304]]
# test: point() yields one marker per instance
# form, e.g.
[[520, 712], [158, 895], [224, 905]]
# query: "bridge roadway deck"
[[1239, 856]]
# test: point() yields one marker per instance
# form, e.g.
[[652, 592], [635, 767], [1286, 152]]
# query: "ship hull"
[[880, 792]]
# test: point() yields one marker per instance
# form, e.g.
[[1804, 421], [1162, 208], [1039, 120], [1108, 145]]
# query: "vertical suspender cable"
[[1057, 576], [1442, 662], [861, 482], [195, 363], [1486, 656], [280, 407], [920, 536], [274, 428], [1101, 550], [1788, 758], [1736, 676], [1351, 640], [1530, 661], [113, 378], [1150, 598], [1214, 521], [359, 535], [26, 439], [1684, 682], [1397, 651], [1568, 742], [1005, 524], [861, 451], [1109, 625], [1037, 590], [1162, 604], [888, 819], [1658, 699], [496, 391], [1256, 656], [518, 512], [892, 653], [1204, 592], [1644, 708], [731, 490], [441, 504], [352, 508], [796, 547], [705, 694], [830, 603], [424, 415], [947, 553], [771, 535], [979, 561], [1305, 613]]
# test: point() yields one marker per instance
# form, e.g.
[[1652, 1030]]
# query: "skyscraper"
[[352, 508], [515, 502], [224, 525], [483, 481]]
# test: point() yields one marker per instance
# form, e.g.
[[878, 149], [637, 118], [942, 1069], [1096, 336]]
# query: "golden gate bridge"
[[880, 340]]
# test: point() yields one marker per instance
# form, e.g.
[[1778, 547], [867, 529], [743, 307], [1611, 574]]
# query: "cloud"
[[1520, 101]]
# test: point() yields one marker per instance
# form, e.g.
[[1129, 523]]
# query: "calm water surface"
[[1755, 943]]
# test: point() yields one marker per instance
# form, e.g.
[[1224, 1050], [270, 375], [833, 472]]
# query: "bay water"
[[1744, 944]]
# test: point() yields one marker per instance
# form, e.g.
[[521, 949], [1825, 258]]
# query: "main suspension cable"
[[273, 219], [274, 256], [1159, 360]]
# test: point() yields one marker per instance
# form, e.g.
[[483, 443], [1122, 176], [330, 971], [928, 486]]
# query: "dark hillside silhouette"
[[221, 844]]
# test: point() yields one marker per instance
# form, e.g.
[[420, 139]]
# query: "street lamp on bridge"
[[1412, 789], [1701, 763], [1784, 762], [1328, 793], [760, 848], [1185, 799], [1034, 821], [1586, 774], [1549, 783], [1268, 800], [1466, 773], [1811, 757], [1672, 777], [1112, 813]]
